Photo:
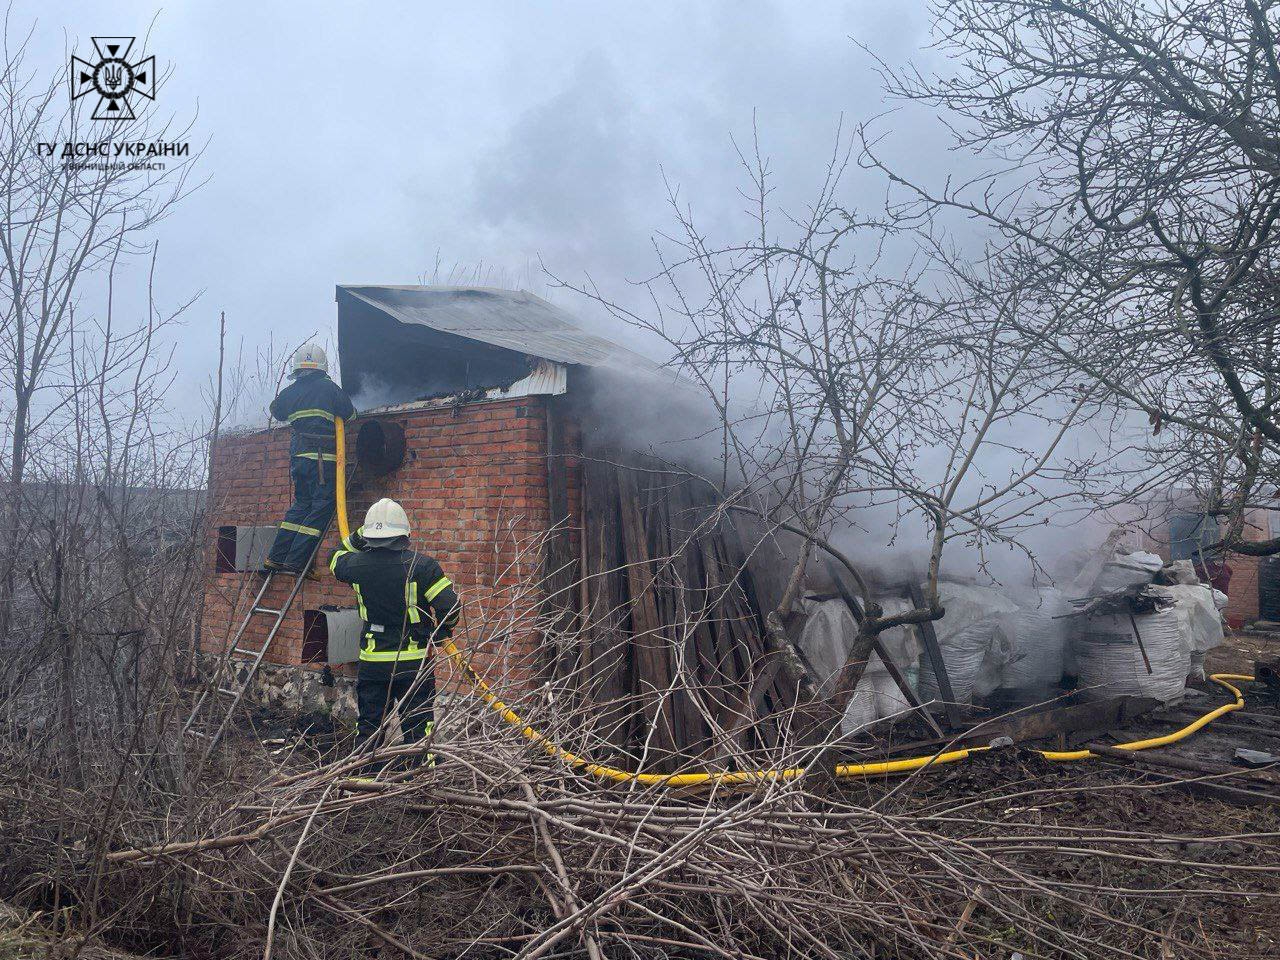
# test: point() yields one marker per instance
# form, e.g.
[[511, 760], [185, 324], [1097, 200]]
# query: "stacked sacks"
[[1125, 570], [974, 647], [1038, 636], [877, 695], [1184, 626], [1109, 660], [826, 639], [1200, 620]]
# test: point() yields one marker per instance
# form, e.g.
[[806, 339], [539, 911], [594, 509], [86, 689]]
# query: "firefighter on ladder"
[[309, 405], [406, 604]]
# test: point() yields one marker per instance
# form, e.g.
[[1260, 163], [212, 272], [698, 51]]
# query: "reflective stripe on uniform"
[[386, 656], [299, 528], [310, 413], [434, 590], [411, 601], [346, 547], [312, 455], [364, 614]]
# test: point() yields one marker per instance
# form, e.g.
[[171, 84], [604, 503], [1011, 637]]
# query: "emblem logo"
[[113, 78]]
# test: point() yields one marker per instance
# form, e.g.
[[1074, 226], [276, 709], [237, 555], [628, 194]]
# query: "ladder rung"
[[256, 657]]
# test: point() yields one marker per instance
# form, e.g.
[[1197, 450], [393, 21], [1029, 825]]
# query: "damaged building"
[[601, 576], [500, 425]]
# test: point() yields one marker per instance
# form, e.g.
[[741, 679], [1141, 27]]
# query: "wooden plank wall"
[[671, 670]]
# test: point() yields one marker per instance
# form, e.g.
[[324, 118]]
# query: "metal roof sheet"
[[512, 319]]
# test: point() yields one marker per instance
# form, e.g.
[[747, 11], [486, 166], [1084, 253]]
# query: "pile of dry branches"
[[499, 851]]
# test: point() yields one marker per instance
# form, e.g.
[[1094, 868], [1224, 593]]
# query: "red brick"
[[475, 486]]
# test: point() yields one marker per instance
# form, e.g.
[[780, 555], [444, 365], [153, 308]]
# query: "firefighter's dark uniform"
[[406, 602], [309, 405]]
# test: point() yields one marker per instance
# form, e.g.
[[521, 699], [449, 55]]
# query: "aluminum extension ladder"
[[238, 683], [224, 672]]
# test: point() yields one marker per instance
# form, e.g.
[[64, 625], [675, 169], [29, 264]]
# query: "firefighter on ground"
[[406, 604], [309, 405]]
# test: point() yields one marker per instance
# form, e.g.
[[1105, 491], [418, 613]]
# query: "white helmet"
[[309, 357], [385, 520]]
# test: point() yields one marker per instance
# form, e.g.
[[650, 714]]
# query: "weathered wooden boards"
[[671, 667]]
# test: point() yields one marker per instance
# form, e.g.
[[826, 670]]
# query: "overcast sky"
[[352, 143]]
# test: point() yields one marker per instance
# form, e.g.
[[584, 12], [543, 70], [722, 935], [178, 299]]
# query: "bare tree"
[[100, 552], [848, 388], [68, 219], [1131, 157]]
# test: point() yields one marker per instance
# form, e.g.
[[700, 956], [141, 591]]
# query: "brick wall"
[[1242, 597], [474, 483]]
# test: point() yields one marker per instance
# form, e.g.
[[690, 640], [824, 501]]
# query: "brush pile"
[[499, 852], [273, 850]]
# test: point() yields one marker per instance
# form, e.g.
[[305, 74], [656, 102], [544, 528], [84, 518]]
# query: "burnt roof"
[[511, 319]]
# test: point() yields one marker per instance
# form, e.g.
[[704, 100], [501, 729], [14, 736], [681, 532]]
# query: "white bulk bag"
[[902, 644], [876, 698], [890, 700], [1201, 621], [1126, 570], [1199, 613], [974, 658], [1039, 641], [862, 709], [974, 650], [1109, 662], [825, 641]]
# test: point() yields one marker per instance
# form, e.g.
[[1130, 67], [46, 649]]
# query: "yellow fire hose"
[[875, 768], [732, 778], [340, 470]]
